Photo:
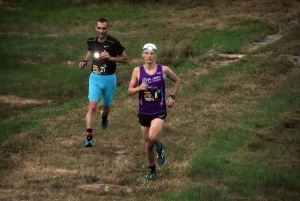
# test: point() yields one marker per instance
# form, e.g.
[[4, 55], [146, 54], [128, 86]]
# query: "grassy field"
[[234, 133]]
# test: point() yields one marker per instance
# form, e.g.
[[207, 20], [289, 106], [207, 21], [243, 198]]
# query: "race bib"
[[152, 95], [100, 70]]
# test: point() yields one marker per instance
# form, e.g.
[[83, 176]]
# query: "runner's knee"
[[92, 107], [149, 144]]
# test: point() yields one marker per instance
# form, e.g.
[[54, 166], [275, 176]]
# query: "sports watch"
[[173, 97]]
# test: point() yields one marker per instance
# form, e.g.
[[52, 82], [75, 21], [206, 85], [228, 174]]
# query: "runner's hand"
[[82, 64], [105, 55], [170, 102], [143, 86]]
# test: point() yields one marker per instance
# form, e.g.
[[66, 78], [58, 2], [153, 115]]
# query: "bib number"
[[152, 95], [100, 70]]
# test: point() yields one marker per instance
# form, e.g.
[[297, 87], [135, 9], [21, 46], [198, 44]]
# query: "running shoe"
[[160, 155], [89, 141], [151, 173]]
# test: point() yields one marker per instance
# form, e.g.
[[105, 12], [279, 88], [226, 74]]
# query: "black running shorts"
[[145, 120]]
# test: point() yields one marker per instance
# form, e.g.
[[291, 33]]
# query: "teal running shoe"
[[89, 141], [150, 175], [160, 155]]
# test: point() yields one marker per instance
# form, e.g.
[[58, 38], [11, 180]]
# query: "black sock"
[[89, 134], [104, 117], [152, 167]]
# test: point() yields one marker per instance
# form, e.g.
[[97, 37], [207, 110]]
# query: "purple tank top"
[[152, 101]]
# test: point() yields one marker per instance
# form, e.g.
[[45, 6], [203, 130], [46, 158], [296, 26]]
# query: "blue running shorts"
[[102, 84]]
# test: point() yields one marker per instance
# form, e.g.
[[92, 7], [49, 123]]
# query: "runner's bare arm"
[[176, 84], [88, 56], [172, 76], [133, 88]]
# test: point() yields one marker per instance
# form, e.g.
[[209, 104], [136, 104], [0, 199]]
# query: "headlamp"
[[96, 55], [149, 46]]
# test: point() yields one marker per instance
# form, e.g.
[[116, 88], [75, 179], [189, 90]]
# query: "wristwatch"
[[173, 97]]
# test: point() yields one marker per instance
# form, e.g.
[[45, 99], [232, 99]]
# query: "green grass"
[[217, 163], [43, 49], [18, 127], [196, 193], [37, 117], [247, 178], [58, 13], [48, 82], [228, 41]]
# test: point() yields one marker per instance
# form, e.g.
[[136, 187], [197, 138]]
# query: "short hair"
[[102, 20]]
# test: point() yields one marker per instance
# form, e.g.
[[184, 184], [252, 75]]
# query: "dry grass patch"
[[15, 100], [60, 162]]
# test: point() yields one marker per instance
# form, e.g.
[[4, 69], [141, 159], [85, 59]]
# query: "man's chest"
[[100, 47]]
